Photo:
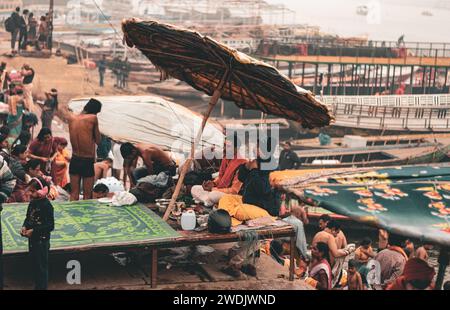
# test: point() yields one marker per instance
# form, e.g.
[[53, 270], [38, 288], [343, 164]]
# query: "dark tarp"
[[409, 201]]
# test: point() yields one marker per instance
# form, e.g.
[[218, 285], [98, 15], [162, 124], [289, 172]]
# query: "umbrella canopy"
[[151, 119], [207, 65]]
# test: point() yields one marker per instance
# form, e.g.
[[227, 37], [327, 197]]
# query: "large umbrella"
[[222, 72]]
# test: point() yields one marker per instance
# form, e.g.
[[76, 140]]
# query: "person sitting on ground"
[[422, 251], [320, 270], [416, 275], [155, 160], [84, 136], [60, 165], [44, 149], [33, 170], [102, 168], [364, 252], [258, 198], [392, 260], [4, 147], [210, 192], [100, 191], [23, 139], [354, 280], [18, 160], [257, 201]]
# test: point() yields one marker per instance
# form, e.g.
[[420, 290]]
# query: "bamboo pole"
[[215, 97]]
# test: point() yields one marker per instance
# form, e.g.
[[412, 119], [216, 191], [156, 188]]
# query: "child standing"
[[38, 225], [354, 280]]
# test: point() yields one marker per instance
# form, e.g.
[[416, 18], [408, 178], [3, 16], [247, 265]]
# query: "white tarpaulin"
[[151, 119]]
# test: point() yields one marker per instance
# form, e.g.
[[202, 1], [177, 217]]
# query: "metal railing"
[[414, 113], [361, 48], [390, 101]]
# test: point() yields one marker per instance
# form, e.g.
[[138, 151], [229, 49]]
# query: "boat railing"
[[389, 49], [420, 101], [392, 117]]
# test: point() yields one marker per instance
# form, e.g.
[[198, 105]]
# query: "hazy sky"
[[387, 20]]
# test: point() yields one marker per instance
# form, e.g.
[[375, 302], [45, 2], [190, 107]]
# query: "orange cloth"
[[415, 269], [233, 189], [227, 172], [59, 173], [418, 269], [399, 250]]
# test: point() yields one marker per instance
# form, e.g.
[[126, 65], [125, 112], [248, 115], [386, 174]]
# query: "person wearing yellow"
[[60, 164], [257, 200]]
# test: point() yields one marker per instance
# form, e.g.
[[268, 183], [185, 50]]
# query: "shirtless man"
[[102, 168], [328, 236], [341, 240], [84, 135], [422, 252], [154, 158]]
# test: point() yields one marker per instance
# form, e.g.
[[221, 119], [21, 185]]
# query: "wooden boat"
[[370, 141], [419, 150]]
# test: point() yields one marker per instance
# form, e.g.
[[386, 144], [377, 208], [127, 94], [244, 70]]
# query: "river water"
[[387, 19]]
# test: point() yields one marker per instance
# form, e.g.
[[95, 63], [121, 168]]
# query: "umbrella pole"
[[212, 103], [443, 261]]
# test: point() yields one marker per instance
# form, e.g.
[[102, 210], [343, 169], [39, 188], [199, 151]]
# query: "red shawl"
[[227, 171]]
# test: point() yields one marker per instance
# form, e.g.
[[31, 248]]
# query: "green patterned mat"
[[86, 224]]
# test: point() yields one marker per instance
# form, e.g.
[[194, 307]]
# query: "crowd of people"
[[28, 30], [40, 170]]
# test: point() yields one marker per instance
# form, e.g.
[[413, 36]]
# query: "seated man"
[[226, 183], [154, 158], [102, 168], [100, 191]]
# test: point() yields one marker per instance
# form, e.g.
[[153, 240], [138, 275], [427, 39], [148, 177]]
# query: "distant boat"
[[362, 10], [377, 151], [427, 13]]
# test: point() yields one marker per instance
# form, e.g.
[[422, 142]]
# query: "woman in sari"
[[16, 105], [61, 162], [43, 148], [320, 269]]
